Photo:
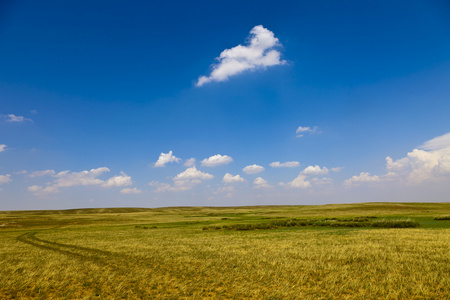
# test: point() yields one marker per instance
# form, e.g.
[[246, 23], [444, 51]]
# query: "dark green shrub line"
[[444, 218], [145, 227], [333, 222]]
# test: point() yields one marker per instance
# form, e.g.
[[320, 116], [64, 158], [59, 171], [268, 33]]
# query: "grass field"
[[227, 253]]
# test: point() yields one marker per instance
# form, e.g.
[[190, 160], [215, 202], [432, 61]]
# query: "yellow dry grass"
[[97, 259]]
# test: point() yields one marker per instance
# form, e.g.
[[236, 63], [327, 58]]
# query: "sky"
[[205, 103]]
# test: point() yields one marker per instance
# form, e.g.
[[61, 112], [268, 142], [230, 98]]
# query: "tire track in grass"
[[120, 264]]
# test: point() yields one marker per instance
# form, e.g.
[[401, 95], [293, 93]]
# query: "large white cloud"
[[288, 164], [258, 54], [253, 169], [216, 160], [165, 158], [430, 163], [315, 170], [120, 180], [228, 178]]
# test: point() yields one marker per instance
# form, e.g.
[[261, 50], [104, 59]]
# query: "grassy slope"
[[107, 253]]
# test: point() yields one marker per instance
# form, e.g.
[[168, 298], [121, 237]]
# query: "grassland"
[[166, 253]]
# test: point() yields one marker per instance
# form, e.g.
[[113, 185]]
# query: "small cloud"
[[260, 183], [42, 173], [16, 119], [316, 170], [288, 164], [21, 172], [5, 178], [228, 178], [189, 162], [216, 160], [40, 191], [337, 169], [118, 181], [299, 182], [165, 158], [253, 169], [2, 147], [363, 177], [193, 173], [302, 130], [258, 54], [131, 191]]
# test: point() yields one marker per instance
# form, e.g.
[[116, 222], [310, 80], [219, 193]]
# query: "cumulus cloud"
[[189, 162], [288, 164], [117, 181], [186, 180], [131, 191], [84, 178], [193, 173], [301, 130], [5, 178], [228, 178], [253, 169], [260, 183], [16, 119], [258, 54], [165, 158], [42, 173], [363, 177], [216, 160], [430, 163], [299, 182], [2, 147], [315, 170]]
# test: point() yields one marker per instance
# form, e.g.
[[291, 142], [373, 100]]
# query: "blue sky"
[[163, 103]]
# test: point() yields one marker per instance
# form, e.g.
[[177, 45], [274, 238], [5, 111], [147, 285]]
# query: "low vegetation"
[[351, 251]]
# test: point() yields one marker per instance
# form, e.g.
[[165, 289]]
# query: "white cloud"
[[363, 177], [437, 143], [216, 160], [40, 191], [301, 130], [299, 182], [258, 54], [2, 147], [226, 189], [228, 178], [165, 158], [253, 169], [42, 173], [165, 187], [315, 170], [288, 164], [193, 173], [337, 169], [5, 178], [117, 181], [14, 118], [83, 178], [190, 162], [131, 191], [260, 183]]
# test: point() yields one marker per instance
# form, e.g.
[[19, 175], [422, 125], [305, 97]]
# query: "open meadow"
[[345, 251]]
